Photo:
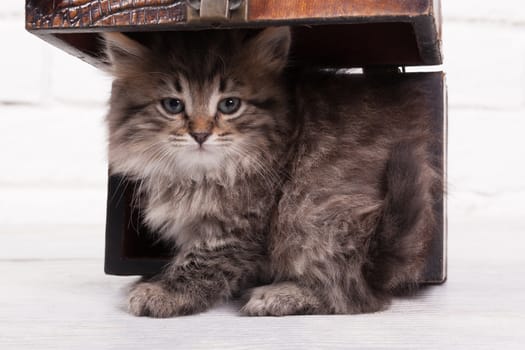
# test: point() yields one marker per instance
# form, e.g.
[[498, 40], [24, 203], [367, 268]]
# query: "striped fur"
[[305, 188]]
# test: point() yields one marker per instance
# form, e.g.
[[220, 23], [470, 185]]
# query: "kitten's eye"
[[172, 105], [229, 105]]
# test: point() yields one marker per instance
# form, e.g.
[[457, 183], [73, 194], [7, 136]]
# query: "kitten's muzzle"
[[200, 137]]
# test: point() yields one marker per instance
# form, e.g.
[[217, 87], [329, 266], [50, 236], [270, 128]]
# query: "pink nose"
[[200, 137]]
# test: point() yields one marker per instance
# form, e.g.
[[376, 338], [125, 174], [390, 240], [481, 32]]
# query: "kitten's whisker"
[[260, 169], [267, 170], [279, 174]]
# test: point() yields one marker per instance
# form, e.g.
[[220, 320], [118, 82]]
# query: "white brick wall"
[[505, 12], [485, 63], [12, 8], [52, 149]]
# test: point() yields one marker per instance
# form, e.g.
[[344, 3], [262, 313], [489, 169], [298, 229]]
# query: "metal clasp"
[[216, 10]]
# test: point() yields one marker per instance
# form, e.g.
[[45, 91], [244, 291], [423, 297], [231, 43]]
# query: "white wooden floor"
[[68, 303]]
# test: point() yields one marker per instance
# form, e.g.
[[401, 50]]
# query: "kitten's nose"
[[200, 137]]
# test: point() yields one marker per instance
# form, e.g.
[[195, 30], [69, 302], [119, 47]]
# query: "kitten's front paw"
[[153, 300], [279, 300]]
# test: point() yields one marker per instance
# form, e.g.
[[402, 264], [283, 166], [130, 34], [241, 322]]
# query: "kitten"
[[298, 182]]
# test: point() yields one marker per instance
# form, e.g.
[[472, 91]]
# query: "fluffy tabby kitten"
[[302, 185]]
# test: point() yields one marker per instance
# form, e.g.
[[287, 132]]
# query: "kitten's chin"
[[199, 161], [193, 163]]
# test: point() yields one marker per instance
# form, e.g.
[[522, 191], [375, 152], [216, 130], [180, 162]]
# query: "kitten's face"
[[197, 104]]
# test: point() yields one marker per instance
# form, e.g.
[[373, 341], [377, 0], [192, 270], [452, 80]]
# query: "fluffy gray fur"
[[308, 194]]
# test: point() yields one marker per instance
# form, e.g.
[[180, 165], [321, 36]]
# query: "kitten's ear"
[[270, 48], [125, 55]]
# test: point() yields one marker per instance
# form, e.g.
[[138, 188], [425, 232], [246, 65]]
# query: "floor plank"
[[70, 304]]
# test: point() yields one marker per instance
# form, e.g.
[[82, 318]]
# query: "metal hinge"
[[217, 11]]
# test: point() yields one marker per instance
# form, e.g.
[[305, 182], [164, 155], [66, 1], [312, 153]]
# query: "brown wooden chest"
[[382, 37]]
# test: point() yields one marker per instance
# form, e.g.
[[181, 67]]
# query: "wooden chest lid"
[[328, 33]]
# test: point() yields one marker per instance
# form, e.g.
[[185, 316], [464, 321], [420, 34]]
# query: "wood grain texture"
[[402, 32], [60, 14], [263, 10], [70, 304], [102, 13]]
